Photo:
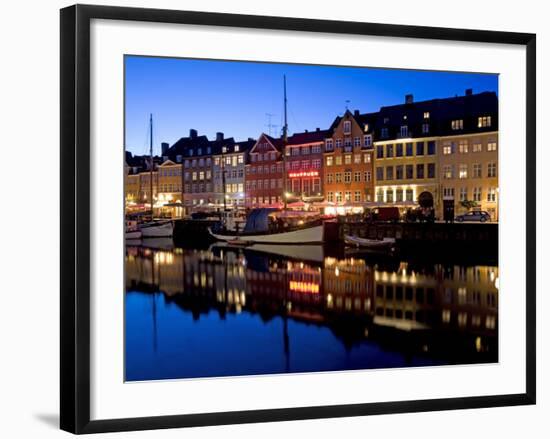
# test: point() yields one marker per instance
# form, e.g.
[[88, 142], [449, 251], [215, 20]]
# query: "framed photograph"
[[268, 219]]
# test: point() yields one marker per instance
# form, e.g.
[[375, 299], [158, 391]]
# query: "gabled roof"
[[308, 137]]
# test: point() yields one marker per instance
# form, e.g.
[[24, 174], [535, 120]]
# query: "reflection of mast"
[[286, 338], [154, 307]]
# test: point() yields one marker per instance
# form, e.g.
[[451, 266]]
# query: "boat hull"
[[134, 234], [369, 243], [309, 235], [161, 230]]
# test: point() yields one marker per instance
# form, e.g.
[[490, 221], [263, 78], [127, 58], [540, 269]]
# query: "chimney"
[[193, 133], [356, 113], [409, 99], [251, 139], [164, 148], [306, 131], [219, 136], [317, 129], [469, 92]]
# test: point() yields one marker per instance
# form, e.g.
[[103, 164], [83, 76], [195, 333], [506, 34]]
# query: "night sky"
[[235, 97]]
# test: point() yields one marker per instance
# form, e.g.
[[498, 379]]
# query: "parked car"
[[474, 216]]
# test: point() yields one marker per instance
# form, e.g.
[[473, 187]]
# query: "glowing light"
[[336, 272], [304, 287], [303, 174]]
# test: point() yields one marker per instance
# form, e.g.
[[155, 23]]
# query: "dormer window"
[[366, 127], [199, 151], [191, 153], [236, 148], [208, 150], [386, 119], [224, 149], [484, 121], [457, 124], [426, 114]]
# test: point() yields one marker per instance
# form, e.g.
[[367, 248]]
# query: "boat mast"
[[151, 158], [285, 141]]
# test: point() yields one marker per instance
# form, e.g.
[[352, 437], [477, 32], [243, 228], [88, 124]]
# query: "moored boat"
[[157, 229], [132, 230], [385, 243], [271, 226]]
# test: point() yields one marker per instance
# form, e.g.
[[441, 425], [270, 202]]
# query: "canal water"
[[222, 311]]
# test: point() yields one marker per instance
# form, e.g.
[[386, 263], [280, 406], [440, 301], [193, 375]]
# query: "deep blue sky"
[[234, 97]]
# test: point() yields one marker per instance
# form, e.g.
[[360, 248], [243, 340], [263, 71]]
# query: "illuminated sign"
[[304, 174], [304, 287]]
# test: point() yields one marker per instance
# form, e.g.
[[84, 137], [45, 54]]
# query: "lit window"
[[463, 171], [484, 121], [447, 172], [492, 195], [463, 146], [457, 124], [492, 146], [477, 147], [492, 170], [330, 160], [477, 194], [447, 149], [347, 159], [426, 114]]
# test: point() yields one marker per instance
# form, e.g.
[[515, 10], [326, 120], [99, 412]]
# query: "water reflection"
[[225, 312]]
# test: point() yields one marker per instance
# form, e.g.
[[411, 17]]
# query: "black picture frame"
[[75, 217]]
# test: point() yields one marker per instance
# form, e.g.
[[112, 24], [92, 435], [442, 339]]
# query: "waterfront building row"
[[445, 149]]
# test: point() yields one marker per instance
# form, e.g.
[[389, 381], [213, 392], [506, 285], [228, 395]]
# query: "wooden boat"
[[262, 226], [132, 230], [157, 229], [385, 243]]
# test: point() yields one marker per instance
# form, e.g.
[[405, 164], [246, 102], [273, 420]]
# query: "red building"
[[304, 164], [264, 173]]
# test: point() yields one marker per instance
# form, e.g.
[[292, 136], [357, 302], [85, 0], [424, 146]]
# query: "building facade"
[[435, 148], [229, 173], [264, 173], [170, 194], [348, 179], [304, 165]]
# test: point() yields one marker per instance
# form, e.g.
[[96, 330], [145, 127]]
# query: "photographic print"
[[287, 218]]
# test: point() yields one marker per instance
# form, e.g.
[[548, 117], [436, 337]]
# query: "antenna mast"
[[285, 141]]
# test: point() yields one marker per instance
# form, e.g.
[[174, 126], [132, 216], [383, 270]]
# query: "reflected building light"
[[289, 306], [497, 283], [446, 316], [336, 272], [490, 322], [478, 344], [462, 319]]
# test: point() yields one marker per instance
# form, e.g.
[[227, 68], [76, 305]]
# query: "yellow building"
[[405, 168], [469, 172], [170, 193]]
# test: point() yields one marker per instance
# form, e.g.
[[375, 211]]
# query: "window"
[[447, 172], [492, 169], [380, 173], [389, 150], [329, 144], [357, 158], [194, 176], [338, 143], [420, 170], [367, 176], [389, 196], [338, 197], [404, 131], [357, 141], [316, 163], [426, 114], [463, 194], [305, 164], [366, 158], [357, 196], [347, 177], [491, 146], [338, 177], [463, 146], [305, 150], [347, 159], [477, 194], [329, 179], [347, 141], [449, 192], [409, 172], [357, 176], [330, 160], [420, 148], [484, 121], [380, 195], [399, 195], [347, 196], [476, 168], [367, 140], [476, 147], [492, 195], [425, 128], [338, 160], [409, 150], [463, 171], [409, 195], [431, 170], [384, 133], [380, 152], [399, 150], [457, 124], [447, 149], [347, 127], [399, 172], [330, 197], [431, 147], [389, 173]]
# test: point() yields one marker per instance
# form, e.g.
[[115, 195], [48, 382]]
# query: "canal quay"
[[216, 310]]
